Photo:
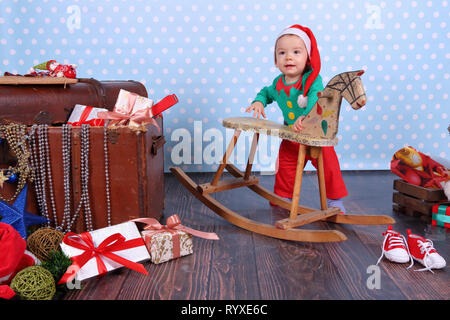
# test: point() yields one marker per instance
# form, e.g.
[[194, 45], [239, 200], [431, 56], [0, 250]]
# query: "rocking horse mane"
[[340, 81]]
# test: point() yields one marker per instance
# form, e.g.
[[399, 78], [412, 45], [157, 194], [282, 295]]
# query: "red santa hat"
[[13, 254], [311, 46]]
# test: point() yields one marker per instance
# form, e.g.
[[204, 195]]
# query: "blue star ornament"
[[16, 216]]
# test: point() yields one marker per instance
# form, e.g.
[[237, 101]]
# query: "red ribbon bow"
[[84, 115], [173, 225], [115, 242]]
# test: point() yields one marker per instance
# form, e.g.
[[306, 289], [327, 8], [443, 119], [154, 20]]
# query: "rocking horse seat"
[[277, 130]]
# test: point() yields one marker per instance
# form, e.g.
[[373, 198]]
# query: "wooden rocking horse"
[[321, 126]]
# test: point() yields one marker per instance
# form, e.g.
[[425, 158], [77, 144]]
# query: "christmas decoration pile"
[[22, 274], [52, 68]]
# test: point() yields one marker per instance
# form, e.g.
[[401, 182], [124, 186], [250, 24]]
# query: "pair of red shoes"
[[398, 249]]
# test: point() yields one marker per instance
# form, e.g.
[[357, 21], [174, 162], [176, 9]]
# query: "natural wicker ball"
[[44, 240], [34, 283]]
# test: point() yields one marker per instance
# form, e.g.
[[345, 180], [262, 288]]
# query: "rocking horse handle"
[[322, 94]]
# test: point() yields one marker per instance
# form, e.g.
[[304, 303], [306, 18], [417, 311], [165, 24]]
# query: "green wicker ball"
[[34, 283]]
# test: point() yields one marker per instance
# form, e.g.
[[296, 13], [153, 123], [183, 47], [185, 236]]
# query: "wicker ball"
[[34, 283], [43, 241]]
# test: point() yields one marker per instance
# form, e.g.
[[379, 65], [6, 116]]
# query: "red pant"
[[287, 164]]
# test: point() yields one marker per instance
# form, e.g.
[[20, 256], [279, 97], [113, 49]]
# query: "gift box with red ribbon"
[[134, 110], [441, 216], [100, 251], [86, 115], [171, 241]]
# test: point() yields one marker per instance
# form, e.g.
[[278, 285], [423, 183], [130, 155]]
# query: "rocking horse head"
[[349, 86], [323, 119]]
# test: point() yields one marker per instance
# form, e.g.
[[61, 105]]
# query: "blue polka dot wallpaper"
[[217, 55]]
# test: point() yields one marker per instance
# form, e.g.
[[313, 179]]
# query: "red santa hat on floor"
[[13, 256], [308, 38]]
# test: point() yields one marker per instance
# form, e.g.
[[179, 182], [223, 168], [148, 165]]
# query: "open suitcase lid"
[[38, 101], [19, 80]]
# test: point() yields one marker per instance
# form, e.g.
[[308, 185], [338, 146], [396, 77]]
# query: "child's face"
[[291, 57]]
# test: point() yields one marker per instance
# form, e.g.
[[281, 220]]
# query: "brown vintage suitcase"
[[53, 104], [135, 156], [135, 176]]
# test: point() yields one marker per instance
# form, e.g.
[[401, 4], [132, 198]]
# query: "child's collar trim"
[[287, 88]]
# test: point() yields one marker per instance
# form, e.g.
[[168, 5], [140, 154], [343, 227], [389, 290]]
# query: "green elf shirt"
[[287, 94]]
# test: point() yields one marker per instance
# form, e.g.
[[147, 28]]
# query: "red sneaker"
[[422, 250], [394, 247]]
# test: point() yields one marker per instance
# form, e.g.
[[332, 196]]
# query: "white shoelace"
[[425, 247], [395, 240]]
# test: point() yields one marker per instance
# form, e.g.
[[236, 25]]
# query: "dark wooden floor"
[[243, 265]]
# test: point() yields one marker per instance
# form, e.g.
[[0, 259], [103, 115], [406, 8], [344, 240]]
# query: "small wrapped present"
[[441, 215], [170, 241], [86, 115], [100, 251], [167, 245], [133, 110], [130, 109]]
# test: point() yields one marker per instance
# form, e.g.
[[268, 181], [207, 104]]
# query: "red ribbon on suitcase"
[[164, 104], [84, 115]]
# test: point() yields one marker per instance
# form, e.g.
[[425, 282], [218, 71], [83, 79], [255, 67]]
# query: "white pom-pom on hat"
[[302, 101]]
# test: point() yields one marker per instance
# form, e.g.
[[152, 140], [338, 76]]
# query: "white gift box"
[[135, 254], [78, 110]]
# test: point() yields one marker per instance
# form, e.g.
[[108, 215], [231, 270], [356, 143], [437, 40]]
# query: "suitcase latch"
[[113, 135], [43, 117], [157, 143]]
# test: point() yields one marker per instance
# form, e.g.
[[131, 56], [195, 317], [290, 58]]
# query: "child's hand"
[[257, 108], [297, 127]]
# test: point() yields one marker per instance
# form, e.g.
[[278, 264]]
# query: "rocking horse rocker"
[[320, 129]]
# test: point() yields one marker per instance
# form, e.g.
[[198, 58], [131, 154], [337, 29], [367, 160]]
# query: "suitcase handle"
[[99, 88], [157, 143]]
